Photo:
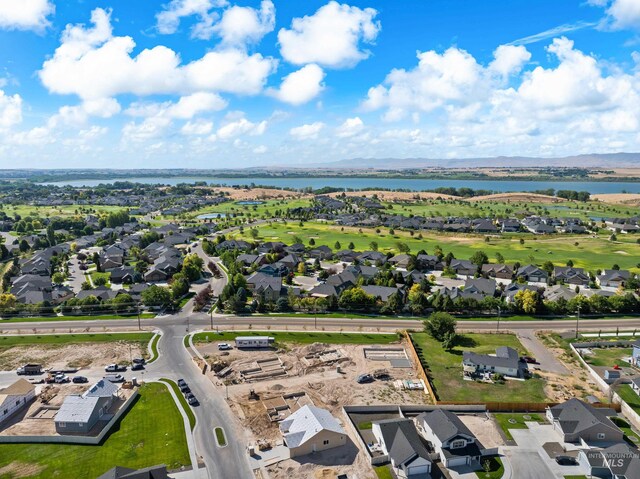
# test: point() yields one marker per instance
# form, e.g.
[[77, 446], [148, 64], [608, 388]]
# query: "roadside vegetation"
[[301, 337]]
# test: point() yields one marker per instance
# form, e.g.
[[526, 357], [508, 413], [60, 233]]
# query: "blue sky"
[[214, 83]]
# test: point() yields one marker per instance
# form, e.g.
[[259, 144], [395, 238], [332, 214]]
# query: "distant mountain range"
[[608, 160]]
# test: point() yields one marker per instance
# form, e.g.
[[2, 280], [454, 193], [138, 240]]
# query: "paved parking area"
[[530, 460]]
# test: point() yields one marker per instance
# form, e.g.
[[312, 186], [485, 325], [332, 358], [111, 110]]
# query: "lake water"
[[414, 184]]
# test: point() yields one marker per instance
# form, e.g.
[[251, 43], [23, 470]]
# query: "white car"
[[224, 347], [114, 378]]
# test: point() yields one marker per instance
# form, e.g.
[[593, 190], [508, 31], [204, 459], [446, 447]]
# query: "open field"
[[265, 210], [446, 370], [590, 252], [151, 433], [301, 338], [630, 199], [73, 350], [382, 195], [61, 211]]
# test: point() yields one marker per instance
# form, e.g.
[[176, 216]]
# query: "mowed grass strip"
[[301, 337], [183, 402], [54, 339], [515, 421], [76, 318], [445, 369], [152, 432]]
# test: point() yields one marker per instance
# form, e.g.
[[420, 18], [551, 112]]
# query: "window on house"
[[457, 444], [62, 424], [601, 435], [325, 442]]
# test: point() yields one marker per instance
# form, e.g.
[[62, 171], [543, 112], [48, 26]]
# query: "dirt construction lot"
[[83, 355], [302, 375]]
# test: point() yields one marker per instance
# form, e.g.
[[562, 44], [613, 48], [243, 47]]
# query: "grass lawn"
[[186, 299], [631, 437], [8, 341], [95, 275], [630, 397], [363, 426], [152, 432], [608, 357], [496, 469], [517, 421], [383, 472], [446, 370], [222, 440], [590, 253], [301, 337], [185, 405], [78, 318], [154, 348]]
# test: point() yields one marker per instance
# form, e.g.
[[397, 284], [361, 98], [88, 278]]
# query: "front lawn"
[[515, 421], [608, 357], [185, 405], [151, 433], [77, 318], [495, 468], [445, 370], [630, 397], [630, 436], [383, 472], [301, 337]]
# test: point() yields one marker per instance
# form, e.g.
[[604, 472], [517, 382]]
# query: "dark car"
[[80, 379], [528, 359], [185, 389], [193, 401], [137, 366], [182, 382], [188, 395], [139, 361], [364, 378], [566, 461]]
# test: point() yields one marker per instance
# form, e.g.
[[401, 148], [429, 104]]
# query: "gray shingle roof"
[[444, 424], [306, 422], [76, 409], [402, 441]]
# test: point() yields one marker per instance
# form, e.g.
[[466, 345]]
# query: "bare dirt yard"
[[82, 355], [239, 194], [398, 195], [517, 198], [629, 199], [286, 379], [484, 428]]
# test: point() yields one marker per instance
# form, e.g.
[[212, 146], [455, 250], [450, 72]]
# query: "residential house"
[[635, 353], [101, 293], [311, 429], [635, 385], [400, 260], [557, 291], [613, 278], [571, 275], [321, 253], [532, 274], [429, 262], [481, 286], [463, 267], [373, 257], [270, 287], [382, 292], [512, 289], [153, 472], [501, 271], [122, 274], [452, 440], [506, 362], [399, 441], [578, 421], [619, 461], [79, 414], [15, 397]]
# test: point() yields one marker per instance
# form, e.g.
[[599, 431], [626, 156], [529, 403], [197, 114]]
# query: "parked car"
[[114, 368], [364, 378], [193, 401], [181, 382], [61, 378], [114, 378], [185, 389], [529, 360], [224, 347], [566, 461], [139, 361], [137, 366], [80, 379]]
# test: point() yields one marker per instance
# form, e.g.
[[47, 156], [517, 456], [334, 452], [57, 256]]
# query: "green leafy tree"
[[156, 296], [440, 325], [192, 267]]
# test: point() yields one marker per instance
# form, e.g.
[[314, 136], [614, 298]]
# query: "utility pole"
[[498, 325], [211, 317], [139, 326], [577, 321]]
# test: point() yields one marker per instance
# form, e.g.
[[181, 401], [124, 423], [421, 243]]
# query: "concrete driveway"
[[538, 350], [527, 464]]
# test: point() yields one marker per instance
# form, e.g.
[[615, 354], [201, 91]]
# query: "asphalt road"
[[174, 363]]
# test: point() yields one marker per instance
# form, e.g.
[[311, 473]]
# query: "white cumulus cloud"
[[308, 131], [241, 25], [350, 127], [168, 20], [620, 14], [92, 63], [10, 110], [300, 86], [331, 37], [25, 14]]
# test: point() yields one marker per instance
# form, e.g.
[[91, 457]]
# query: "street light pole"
[[211, 318], [498, 325], [577, 321], [139, 327]]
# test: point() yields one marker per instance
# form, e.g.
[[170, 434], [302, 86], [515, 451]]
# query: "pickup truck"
[[114, 368], [114, 378], [29, 369]]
